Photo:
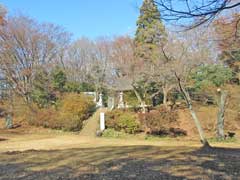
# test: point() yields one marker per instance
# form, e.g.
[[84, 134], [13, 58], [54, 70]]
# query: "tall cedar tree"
[[150, 34]]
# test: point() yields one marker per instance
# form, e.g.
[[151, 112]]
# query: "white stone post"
[[121, 101], [100, 101], [95, 97], [102, 121]]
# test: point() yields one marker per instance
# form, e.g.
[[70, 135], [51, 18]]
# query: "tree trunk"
[[9, 117], [165, 94], [199, 127], [141, 101], [193, 114], [220, 118]]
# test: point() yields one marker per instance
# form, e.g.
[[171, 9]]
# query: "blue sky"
[[89, 18]]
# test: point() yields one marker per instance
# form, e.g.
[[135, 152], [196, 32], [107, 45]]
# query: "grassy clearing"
[[55, 155], [122, 162]]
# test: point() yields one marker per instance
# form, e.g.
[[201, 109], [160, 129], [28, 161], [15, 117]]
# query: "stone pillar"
[[100, 101], [110, 103], [95, 97], [9, 121], [102, 121], [121, 101]]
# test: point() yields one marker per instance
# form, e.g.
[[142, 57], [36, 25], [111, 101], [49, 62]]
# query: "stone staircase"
[[92, 124]]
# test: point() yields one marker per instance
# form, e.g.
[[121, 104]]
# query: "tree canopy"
[[150, 33]]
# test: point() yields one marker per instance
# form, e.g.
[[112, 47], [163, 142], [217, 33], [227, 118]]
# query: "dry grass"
[[43, 154]]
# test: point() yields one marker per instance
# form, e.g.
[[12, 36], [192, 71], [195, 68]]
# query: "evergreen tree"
[[150, 34], [59, 79]]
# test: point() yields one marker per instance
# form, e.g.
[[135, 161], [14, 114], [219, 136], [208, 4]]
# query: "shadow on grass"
[[123, 162], [3, 139]]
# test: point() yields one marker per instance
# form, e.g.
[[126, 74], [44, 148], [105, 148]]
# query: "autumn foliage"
[[69, 115]]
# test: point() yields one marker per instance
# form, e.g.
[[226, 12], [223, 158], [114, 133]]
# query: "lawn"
[[41, 154]]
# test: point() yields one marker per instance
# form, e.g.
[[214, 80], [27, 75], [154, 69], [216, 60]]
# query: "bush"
[[78, 87], [73, 110], [112, 133], [131, 98], [45, 117], [122, 121], [161, 122]]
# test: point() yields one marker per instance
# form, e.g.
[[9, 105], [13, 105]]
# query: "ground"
[[35, 153]]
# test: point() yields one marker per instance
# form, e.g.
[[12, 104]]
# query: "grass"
[[122, 162], [52, 155], [158, 138], [227, 140], [111, 133]]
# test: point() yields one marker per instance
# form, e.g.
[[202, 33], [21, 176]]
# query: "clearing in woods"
[[35, 153]]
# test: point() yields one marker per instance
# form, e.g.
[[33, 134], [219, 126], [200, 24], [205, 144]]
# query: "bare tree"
[[197, 12], [80, 59], [125, 65], [123, 56], [188, 100], [3, 12], [90, 61], [228, 41], [187, 51], [24, 46], [101, 71]]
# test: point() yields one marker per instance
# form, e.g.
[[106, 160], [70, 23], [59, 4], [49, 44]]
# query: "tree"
[[59, 79], [188, 100], [187, 52], [43, 92], [101, 71], [211, 77], [3, 12], [228, 39], [80, 58], [26, 45], [197, 12], [150, 33], [149, 36], [162, 75], [89, 62], [123, 56]]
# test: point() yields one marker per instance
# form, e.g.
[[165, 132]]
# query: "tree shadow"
[[3, 139], [122, 162]]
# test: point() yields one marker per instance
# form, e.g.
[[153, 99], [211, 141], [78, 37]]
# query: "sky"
[[88, 18]]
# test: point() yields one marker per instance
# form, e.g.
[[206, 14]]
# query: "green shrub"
[[122, 121], [131, 98], [113, 133], [78, 87]]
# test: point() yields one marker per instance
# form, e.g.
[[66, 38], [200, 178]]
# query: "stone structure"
[[100, 100], [120, 86], [121, 103]]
